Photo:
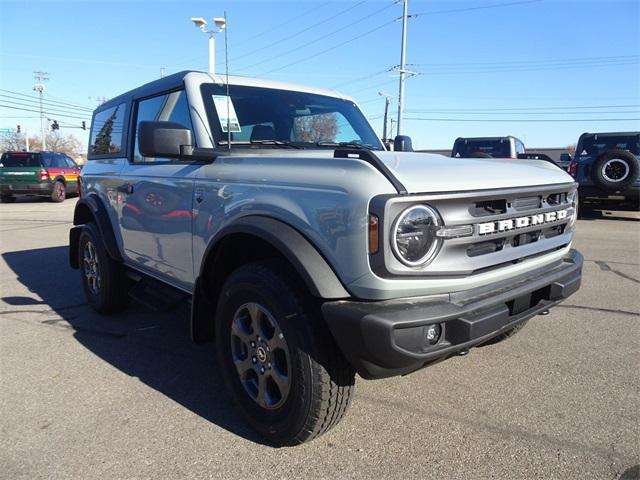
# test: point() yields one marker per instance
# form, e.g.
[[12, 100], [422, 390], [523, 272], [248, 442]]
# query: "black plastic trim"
[[371, 158], [315, 271], [101, 217], [367, 332]]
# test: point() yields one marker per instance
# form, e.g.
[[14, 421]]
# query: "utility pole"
[[161, 72], [403, 58], [387, 100], [40, 78], [26, 140]]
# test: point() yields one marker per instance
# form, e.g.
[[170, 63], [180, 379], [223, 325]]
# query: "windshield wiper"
[[359, 146], [280, 143]]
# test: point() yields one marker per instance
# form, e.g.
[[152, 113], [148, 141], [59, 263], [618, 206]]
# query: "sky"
[[542, 70]]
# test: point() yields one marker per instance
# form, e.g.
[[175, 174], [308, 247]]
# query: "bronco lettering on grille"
[[521, 222]]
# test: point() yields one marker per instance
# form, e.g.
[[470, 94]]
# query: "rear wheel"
[[277, 357], [7, 198], [59, 192], [103, 279]]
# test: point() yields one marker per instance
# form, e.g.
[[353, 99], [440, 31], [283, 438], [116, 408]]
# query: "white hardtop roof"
[[221, 79]]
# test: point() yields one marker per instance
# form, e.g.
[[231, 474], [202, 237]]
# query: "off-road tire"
[[59, 192], [615, 160], [7, 198], [321, 381], [112, 293]]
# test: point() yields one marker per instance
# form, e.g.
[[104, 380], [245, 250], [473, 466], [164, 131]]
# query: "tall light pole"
[[40, 78], [403, 58], [220, 24]]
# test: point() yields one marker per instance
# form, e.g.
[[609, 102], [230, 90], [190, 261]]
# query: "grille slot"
[[527, 203], [488, 207]]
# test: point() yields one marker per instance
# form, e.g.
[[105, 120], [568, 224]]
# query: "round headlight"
[[414, 237], [572, 198]]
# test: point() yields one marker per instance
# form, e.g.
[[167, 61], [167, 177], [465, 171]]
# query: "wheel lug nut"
[[261, 369], [254, 359], [269, 365], [253, 344]]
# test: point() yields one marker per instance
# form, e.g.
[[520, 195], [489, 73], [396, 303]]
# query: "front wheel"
[[277, 356], [103, 279]]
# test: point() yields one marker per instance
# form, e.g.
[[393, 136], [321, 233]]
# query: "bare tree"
[[56, 142], [316, 128], [12, 142]]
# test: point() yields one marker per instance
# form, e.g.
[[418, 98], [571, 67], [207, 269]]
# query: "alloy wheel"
[[261, 356], [91, 267]]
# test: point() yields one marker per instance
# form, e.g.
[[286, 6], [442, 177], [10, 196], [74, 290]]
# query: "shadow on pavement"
[[154, 347]]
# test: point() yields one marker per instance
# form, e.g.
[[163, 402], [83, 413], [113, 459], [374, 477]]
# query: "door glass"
[[107, 131], [172, 107]]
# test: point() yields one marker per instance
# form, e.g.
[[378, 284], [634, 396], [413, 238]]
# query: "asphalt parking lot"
[[128, 396]]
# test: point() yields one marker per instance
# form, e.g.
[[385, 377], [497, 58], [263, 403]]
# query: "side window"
[[69, 161], [107, 130], [519, 147], [171, 107], [47, 160]]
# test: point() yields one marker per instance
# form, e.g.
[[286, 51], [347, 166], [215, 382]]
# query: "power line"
[[321, 38], [286, 22], [322, 52], [32, 102], [517, 62], [45, 108], [526, 110], [289, 37], [521, 120], [463, 70], [467, 9], [31, 97], [37, 111]]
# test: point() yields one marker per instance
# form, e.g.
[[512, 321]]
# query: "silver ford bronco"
[[307, 251]]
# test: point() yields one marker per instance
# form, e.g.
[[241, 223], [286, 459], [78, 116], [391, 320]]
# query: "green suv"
[[49, 174]]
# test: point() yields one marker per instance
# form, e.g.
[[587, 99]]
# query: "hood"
[[426, 172]]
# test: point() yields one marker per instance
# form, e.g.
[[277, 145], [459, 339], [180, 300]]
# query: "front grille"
[[518, 223]]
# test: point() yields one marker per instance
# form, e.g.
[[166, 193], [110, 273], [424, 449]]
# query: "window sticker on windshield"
[[226, 113]]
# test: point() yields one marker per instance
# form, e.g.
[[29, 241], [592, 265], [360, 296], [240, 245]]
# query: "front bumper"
[[383, 339], [44, 188]]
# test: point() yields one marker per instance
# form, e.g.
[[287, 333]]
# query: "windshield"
[[275, 118], [469, 148], [20, 160], [596, 144]]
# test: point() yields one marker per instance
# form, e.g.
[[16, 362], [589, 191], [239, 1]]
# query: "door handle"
[[126, 188]]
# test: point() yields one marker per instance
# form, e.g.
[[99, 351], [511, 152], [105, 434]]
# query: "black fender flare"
[[320, 279], [99, 216]]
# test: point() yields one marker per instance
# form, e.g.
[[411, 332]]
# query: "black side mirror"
[[565, 157], [164, 139], [402, 143]]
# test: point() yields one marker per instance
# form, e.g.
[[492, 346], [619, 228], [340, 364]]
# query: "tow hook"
[[544, 312], [462, 353]]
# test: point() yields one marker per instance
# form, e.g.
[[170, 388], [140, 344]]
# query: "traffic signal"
[[84, 125], [18, 129], [55, 126]]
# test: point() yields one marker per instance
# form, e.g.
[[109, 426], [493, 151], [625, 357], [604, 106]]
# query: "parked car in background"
[[48, 174], [487, 147], [607, 169]]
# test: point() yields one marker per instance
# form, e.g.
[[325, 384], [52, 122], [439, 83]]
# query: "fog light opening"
[[432, 334]]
